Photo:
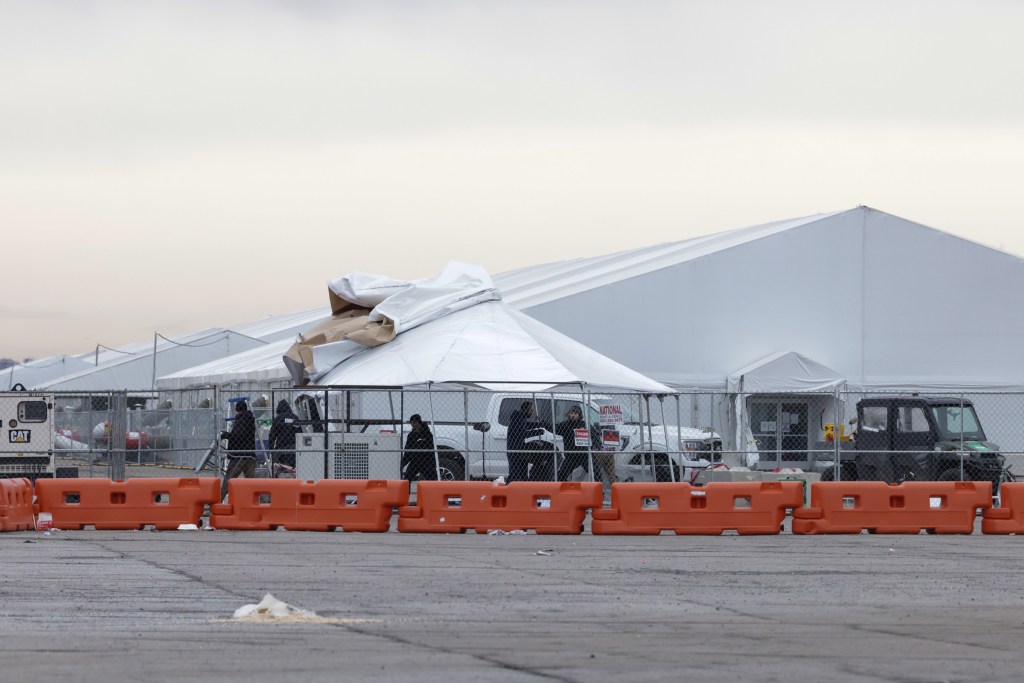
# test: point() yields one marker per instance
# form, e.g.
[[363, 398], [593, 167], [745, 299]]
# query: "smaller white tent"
[[784, 372], [489, 345], [138, 371], [32, 374], [260, 365]]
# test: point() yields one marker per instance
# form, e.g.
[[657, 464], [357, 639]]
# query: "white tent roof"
[[281, 326], [262, 364], [881, 300], [135, 372], [489, 345], [784, 372], [35, 372], [534, 285]]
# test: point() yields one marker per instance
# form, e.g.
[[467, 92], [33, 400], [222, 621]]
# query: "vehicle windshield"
[[956, 421]]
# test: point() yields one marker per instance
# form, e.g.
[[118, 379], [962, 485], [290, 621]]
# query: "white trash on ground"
[[270, 608]]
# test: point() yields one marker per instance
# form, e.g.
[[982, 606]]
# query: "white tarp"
[[369, 309], [489, 345]]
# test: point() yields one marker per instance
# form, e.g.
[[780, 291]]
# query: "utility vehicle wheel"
[[952, 474]]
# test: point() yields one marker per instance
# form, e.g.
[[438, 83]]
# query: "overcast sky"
[[169, 166]]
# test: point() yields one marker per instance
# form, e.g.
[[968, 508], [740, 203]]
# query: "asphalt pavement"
[[156, 606]]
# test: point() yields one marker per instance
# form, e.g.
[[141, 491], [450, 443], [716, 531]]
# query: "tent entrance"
[[780, 429]]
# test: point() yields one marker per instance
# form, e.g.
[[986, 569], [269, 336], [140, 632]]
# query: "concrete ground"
[[155, 606]]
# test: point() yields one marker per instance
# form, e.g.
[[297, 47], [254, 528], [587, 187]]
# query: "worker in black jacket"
[[418, 456], [282, 434], [574, 454], [241, 447]]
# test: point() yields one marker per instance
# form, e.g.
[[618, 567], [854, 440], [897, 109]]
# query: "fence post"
[[837, 430], [118, 431]]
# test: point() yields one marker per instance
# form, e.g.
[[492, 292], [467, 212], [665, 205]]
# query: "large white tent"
[[881, 301]]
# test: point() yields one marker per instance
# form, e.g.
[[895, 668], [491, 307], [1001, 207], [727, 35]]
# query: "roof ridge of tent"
[[582, 274]]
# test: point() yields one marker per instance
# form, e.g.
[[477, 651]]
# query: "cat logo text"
[[20, 436]]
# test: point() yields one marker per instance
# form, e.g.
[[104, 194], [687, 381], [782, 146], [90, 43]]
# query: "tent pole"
[[650, 437], [837, 431], [554, 450], [465, 422], [679, 430], [668, 450], [585, 395], [155, 335], [430, 408]]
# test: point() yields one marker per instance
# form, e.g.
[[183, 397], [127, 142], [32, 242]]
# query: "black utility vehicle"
[[906, 438]]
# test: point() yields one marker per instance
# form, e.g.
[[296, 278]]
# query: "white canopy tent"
[[784, 372], [489, 345]]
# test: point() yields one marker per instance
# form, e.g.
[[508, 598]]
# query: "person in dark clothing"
[[241, 447], [282, 434], [574, 455], [515, 446], [418, 456]]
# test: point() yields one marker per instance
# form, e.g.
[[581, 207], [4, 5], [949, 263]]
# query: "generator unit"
[[344, 455], [26, 435]]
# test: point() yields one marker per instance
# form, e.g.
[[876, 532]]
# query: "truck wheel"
[[452, 468]]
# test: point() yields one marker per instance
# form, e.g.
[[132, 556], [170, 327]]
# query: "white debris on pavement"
[[270, 608]]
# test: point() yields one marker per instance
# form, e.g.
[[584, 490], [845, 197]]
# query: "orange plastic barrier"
[[16, 505], [847, 507], [548, 507], [326, 505], [164, 503], [1008, 518], [749, 507]]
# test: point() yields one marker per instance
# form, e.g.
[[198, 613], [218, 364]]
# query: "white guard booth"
[[779, 406]]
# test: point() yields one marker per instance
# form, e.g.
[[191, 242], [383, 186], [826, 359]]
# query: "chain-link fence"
[[602, 436]]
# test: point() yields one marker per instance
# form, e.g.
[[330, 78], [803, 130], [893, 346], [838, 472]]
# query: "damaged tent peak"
[[369, 310]]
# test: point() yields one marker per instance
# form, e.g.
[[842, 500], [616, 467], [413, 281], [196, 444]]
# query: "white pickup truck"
[[644, 452]]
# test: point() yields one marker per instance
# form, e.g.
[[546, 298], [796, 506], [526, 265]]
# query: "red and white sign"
[[611, 414], [610, 440], [582, 438]]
